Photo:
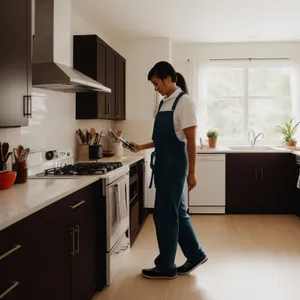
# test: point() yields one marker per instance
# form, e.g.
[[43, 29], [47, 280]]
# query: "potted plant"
[[288, 131], [212, 138]]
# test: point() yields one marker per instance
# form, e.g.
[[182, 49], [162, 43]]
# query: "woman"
[[174, 139]]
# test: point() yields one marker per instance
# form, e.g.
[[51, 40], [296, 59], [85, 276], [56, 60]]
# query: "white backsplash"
[[53, 123], [136, 130]]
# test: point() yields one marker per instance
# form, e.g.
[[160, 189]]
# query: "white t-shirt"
[[184, 115]]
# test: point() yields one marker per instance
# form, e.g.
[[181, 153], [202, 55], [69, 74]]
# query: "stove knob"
[[49, 155]]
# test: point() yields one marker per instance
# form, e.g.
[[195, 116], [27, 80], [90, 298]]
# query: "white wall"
[[53, 122], [141, 99]]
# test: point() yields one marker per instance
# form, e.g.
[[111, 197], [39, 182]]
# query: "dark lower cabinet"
[[15, 63], [56, 253], [259, 183]]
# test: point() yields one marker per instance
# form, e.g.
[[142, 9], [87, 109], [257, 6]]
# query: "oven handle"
[[118, 180]]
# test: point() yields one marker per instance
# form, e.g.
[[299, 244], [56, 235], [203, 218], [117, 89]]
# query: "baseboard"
[[207, 210]]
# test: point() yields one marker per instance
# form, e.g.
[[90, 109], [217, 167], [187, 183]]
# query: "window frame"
[[246, 101]]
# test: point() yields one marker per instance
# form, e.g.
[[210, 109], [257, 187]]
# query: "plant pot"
[[212, 142], [290, 144]]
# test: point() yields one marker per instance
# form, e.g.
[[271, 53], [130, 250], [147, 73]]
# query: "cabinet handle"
[[10, 289], [118, 110], [17, 247], [78, 204], [108, 108], [77, 239], [106, 96], [72, 234], [255, 174], [27, 106], [262, 173]]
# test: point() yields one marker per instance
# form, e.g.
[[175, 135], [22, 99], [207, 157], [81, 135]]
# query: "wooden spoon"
[[93, 131]]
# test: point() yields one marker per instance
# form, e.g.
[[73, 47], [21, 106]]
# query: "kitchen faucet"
[[253, 141]]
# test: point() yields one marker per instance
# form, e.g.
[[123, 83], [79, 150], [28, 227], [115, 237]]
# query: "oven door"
[[115, 258], [115, 225]]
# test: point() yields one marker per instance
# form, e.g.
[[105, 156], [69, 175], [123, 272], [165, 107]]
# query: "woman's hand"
[[136, 146], [191, 181]]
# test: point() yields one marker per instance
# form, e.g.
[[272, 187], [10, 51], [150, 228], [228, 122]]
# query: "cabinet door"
[[111, 83], [50, 252], [242, 178], [276, 182], [102, 107], [86, 259], [120, 88], [15, 62]]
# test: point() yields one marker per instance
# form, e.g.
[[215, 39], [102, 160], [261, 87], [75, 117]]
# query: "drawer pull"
[[10, 289], [78, 204], [17, 247]]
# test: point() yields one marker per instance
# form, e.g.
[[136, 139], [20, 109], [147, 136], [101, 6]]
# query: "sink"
[[251, 148]]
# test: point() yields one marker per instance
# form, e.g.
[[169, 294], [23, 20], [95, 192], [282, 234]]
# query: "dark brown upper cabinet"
[[15, 63], [93, 57]]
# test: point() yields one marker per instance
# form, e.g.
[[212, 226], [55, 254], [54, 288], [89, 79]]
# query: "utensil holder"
[[83, 152], [20, 167], [95, 152]]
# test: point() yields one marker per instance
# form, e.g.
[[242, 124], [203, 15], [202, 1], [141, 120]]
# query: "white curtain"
[[196, 71]]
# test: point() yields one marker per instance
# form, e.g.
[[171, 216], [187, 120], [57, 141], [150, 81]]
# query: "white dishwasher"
[[208, 197]]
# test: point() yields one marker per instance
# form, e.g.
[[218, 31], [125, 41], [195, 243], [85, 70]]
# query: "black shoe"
[[155, 273], [189, 266]]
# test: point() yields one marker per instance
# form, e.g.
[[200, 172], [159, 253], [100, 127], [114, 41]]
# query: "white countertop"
[[254, 150], [22, 200]]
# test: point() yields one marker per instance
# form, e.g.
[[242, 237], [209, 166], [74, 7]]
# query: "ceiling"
[[195, 20]]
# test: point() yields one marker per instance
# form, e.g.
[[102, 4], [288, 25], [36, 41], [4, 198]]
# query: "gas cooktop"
[[79, 169]]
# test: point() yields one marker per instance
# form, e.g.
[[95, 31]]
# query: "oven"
[[117, 224]]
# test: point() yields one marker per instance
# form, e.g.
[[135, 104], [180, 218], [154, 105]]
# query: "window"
[[239, 99]]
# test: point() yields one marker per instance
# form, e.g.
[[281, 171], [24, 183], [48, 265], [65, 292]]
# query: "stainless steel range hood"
[[46, 73]]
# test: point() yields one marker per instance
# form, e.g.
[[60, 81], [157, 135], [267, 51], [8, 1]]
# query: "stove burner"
[[98, 168]]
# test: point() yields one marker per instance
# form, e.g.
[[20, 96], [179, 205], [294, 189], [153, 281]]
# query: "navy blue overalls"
[[172, 222]]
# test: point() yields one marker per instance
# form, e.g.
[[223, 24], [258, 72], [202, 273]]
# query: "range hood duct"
[[46, 73]]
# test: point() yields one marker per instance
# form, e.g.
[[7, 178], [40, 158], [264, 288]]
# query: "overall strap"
[[160, 105], [152, 166], [176, 100]]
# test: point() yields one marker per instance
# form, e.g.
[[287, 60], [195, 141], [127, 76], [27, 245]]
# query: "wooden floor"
[[249, 258]]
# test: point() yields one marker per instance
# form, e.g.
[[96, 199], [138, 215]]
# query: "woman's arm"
[[190, 134], [140, 147], [147, 146]]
